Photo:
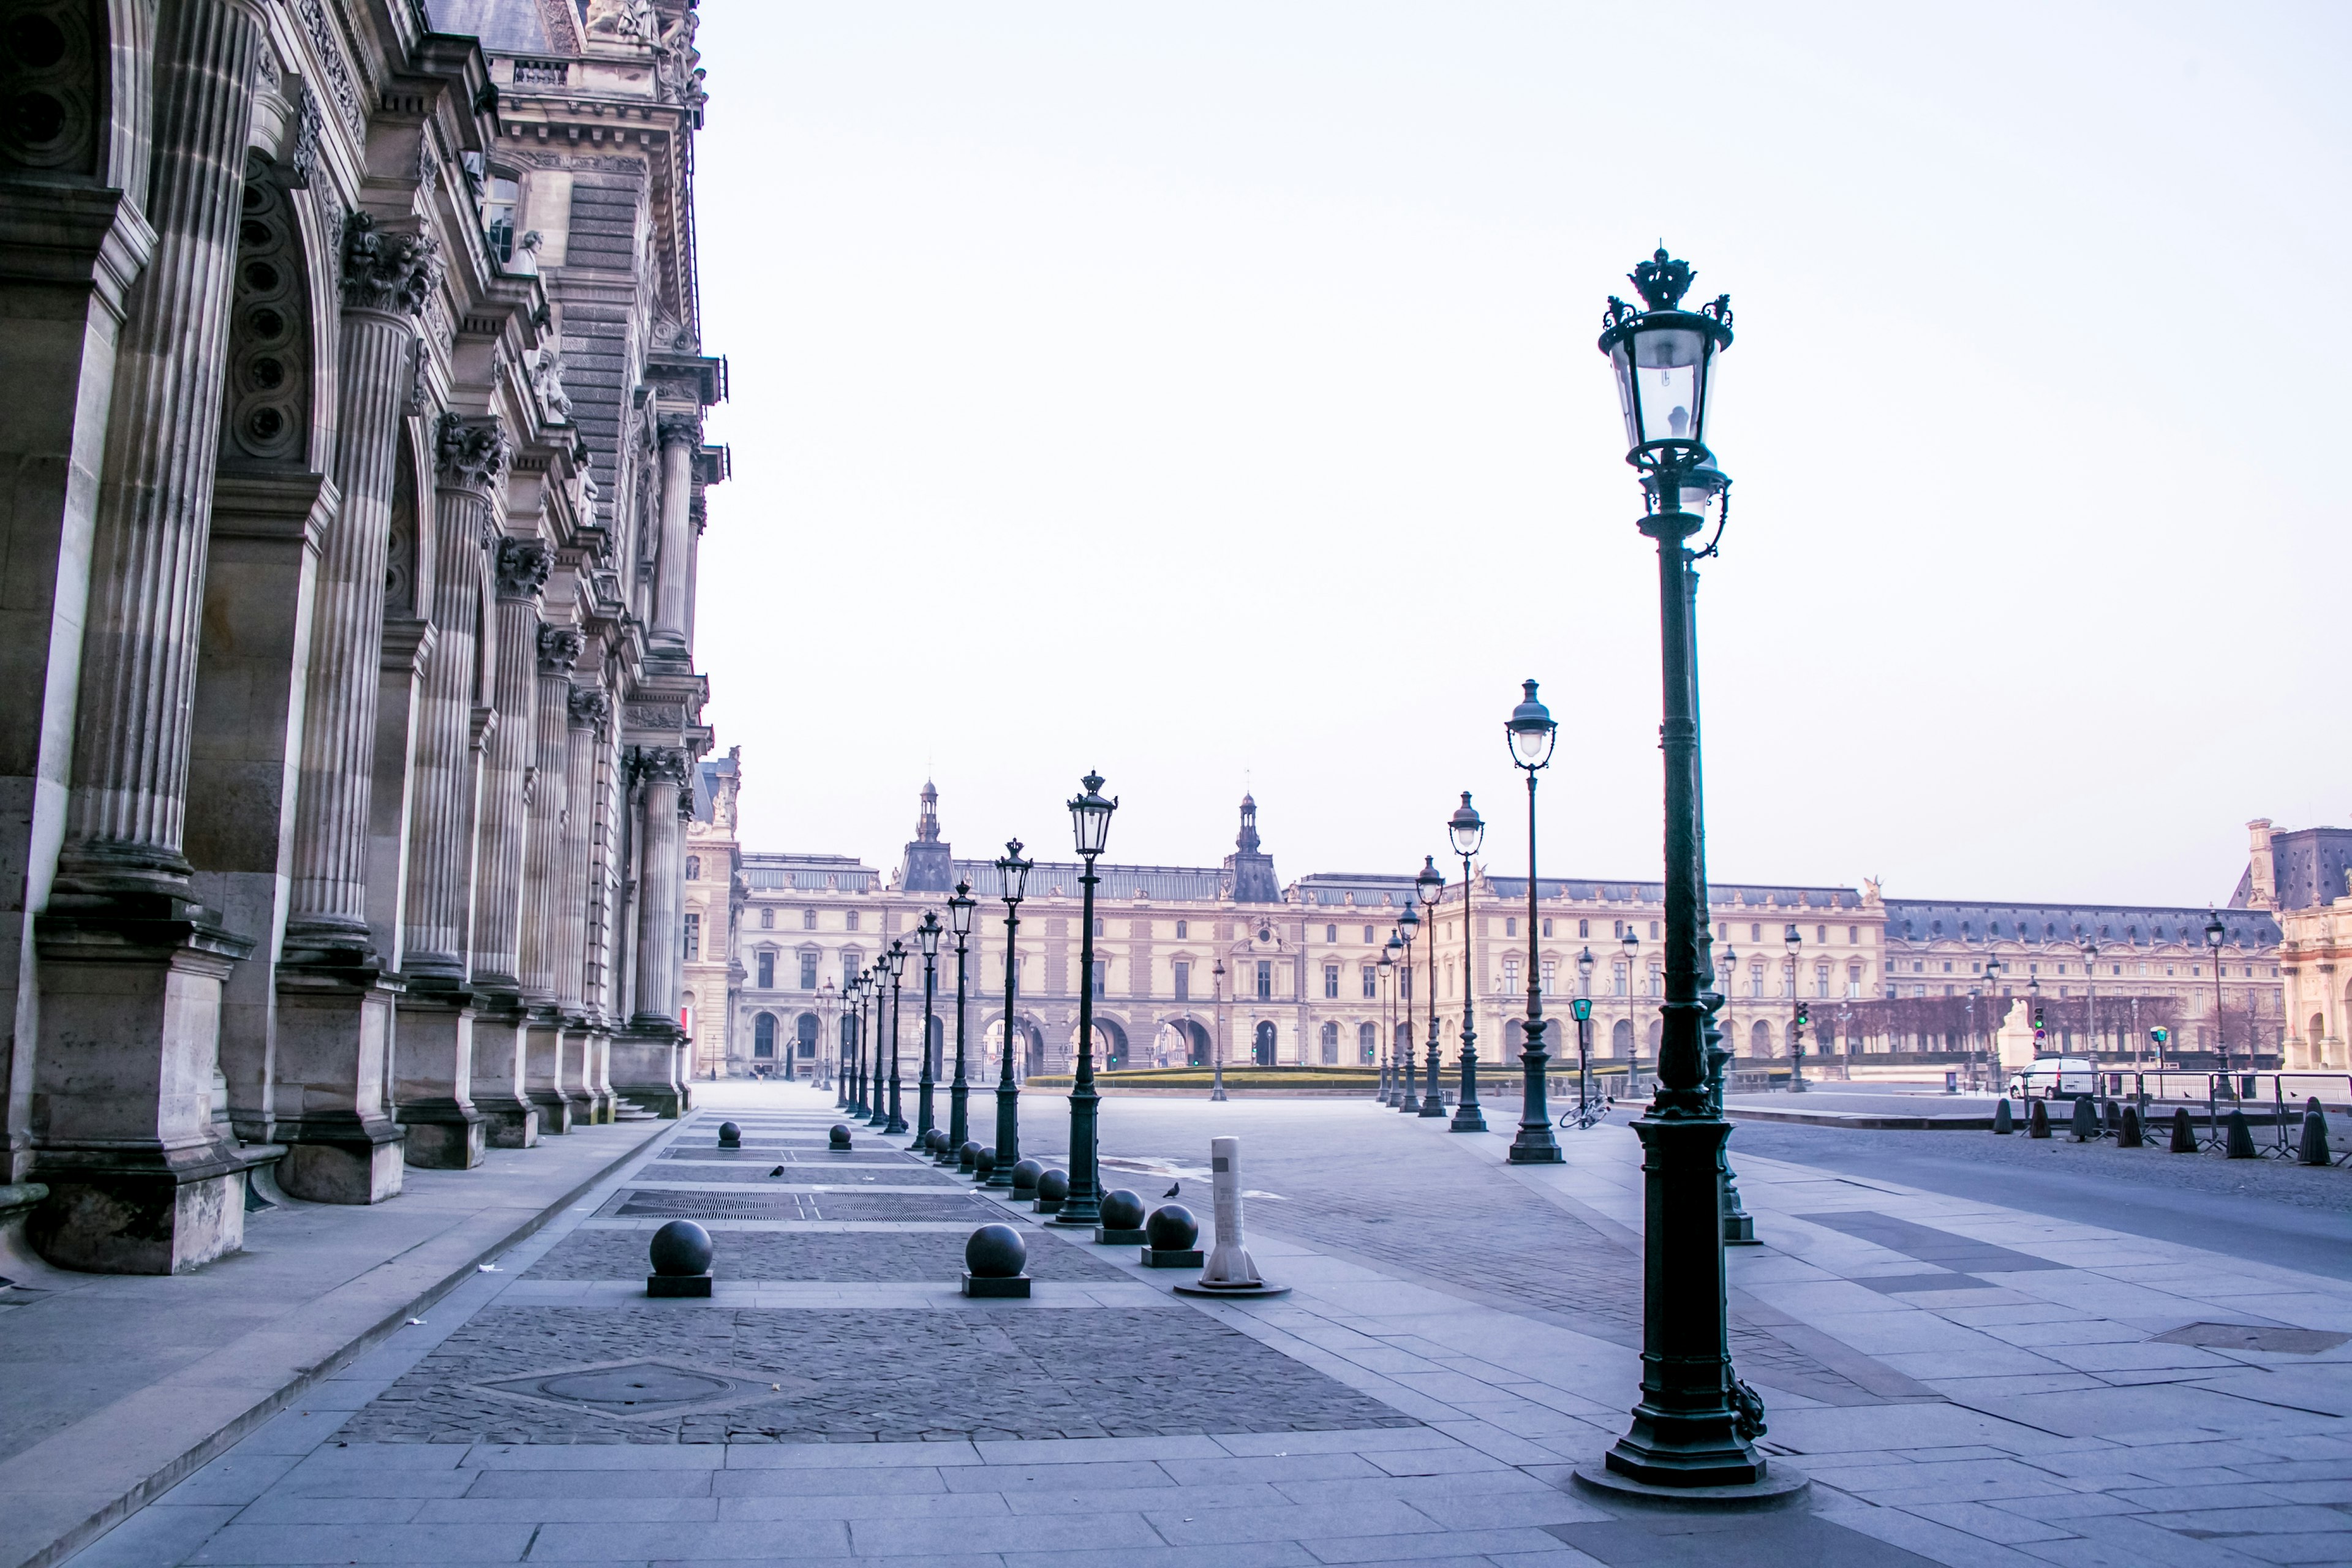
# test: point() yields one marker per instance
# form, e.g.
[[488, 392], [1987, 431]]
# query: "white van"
[[2063, 1078]]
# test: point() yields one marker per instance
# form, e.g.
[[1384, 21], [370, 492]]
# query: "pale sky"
[[1207, 393]]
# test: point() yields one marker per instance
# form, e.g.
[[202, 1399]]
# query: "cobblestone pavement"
[[662, 1204], [870, 1376], [903, 1173], [606, 1254]]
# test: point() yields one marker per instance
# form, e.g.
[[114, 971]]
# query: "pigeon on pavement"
[[777, 1172], [1171, 1191]]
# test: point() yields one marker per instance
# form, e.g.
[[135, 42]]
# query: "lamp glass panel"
[[1532, 743], [1669, 373]]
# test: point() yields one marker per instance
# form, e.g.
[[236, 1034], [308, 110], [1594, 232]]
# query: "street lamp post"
[[959, 910], [1090, 827], [1467, 833], [1631, 946], [877, 1108], [1583, 1011], [1014, 873], [1429, 887], [1532, 732], [828, 1002], [861, 1092], [1217, 1071], [1696, 1422], [2215, 933], [2090, 945], [1388, 983], [1408, 927], [1798, 1018], [928, 935], [898, 962]]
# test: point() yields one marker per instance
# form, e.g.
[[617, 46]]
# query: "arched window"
[[1404, 1036], [1621, 1038], [1368, 1043], [763, 1036], [1760, 1039], [1330, 1044], [693, 867], [1262, 1046], [804, 1027]]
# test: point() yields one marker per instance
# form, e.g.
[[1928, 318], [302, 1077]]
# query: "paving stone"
[[633, 1204], [845, 1257], [900, 1174], [868, 1376]]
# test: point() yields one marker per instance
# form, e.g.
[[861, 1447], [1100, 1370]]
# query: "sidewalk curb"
[[243, 1423]]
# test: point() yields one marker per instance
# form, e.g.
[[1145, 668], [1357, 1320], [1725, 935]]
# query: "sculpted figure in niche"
[[546, 380], [630, 20]]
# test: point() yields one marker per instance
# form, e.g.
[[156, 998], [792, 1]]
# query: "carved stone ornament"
[[471, 451], [680, 428], [309, 125], [590, 707], [384, 271], [647, 763], [523, 566], [652, 716], [559, 650], [554, 403], [631, 20]]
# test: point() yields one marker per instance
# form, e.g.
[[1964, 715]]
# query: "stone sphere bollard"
[[680, 1255], [1171, 1228], [995, 1252], [968, 1156], [839, 1137], [2085, 1120], [985, 1162], [1053, 1183], [2004, 1121], [1121, 1210], [2037, 1120], [2315, 1150], [729, 1135], [2184, 1137], [1025, 1178], [2128, 1136], [2241, 1145]]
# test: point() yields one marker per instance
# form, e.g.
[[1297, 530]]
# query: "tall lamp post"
[[1798, 1018], [1631, 946], [959, 910], [1696, 1422], [2215, 933], [1217, 1055], [1532, 732], [1090, 827], [1388, 983], [861, 1081], [1408, 929], [1468, 832], [1014, 871], [869, 1041], [828, 1005], [1583, 1008], [928, 935], [1429, 887], [897, 966]]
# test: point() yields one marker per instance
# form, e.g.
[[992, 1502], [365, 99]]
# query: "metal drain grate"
[[633, 1388], [2247, 1337]]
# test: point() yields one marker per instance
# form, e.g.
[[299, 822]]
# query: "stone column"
[[500, 1073], [587, 712], [546, 919], [132, 967], [681, 434], [335, 988], [433, 1092], [644, 1058]]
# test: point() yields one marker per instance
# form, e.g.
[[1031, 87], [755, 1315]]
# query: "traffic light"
[[1804, 1016]]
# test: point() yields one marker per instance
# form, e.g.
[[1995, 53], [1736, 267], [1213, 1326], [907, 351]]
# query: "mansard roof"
[[2123, 925], [769, 872], [1378, 890], [1175, 884], [1722, 896], [2307, 868]]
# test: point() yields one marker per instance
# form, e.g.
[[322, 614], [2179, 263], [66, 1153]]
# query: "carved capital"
[[648, 764], [523, 566], [471, 451], [680, 429], [559, 650], [385, 272], [589, 707]]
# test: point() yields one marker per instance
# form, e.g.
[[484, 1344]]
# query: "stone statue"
[[525, 260], [546, 380], [629, 21]]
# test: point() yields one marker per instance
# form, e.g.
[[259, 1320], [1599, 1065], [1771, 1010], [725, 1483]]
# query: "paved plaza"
[[1966, 1381]]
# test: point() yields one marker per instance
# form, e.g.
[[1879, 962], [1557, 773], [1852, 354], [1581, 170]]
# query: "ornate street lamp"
[[878, 1090], [1429, 887], [1217, 1071], [828, 1002], [1798, 1017], [897, 1122], [2090, 946], [1532, 733], [867, 1038], [2215, 933], [1409, 927], [928, 935], [1583, 1012], [1388, 983], [1631, 947], [1467, 833], [1696, 1422], [1014, 871], [1090, 827], [959, 910]]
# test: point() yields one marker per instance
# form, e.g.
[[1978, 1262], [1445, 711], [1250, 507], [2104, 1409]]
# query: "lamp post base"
[[1765, 1493]]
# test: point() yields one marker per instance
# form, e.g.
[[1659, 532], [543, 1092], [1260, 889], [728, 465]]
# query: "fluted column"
[[472, 455], [522, 569], [386, 278], [140, 1179], [585, 712], [129, 801], [546, 917], [674, 564], [661, 868]]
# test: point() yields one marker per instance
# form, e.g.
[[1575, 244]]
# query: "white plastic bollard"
[[1229, 1262]]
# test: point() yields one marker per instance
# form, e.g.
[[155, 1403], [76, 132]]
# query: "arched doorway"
[[1036, 1039], [1262, 1045], [1621, 1038], [1368, 1044], [1111, 1050], [1760, 1039], [1196, 1044], [804, 1029], [1404, 1036], [1514, 1038], [764, 1038], [1330, 1044]]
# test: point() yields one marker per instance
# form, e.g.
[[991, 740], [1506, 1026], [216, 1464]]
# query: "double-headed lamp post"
[[928, 935], [1696, 1422], [898, 962], [1014, 872], [1429, 887], [1090, 827], [1532, 732], [959, 910], [1467, 832]]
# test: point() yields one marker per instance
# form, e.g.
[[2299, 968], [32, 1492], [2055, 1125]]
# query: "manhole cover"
[[632, 1388], [2246, 1337]]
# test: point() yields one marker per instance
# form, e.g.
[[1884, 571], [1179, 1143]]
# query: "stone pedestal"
[[577, 1082], [334, 1060], [545, 1047], [644, 1066], [596, 1063], [432, 1093], [500, 1090], [142, 1180]]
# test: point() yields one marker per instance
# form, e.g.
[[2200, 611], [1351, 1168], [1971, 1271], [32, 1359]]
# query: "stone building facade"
[[2301, 880], [352, 541], [1890, 984]]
